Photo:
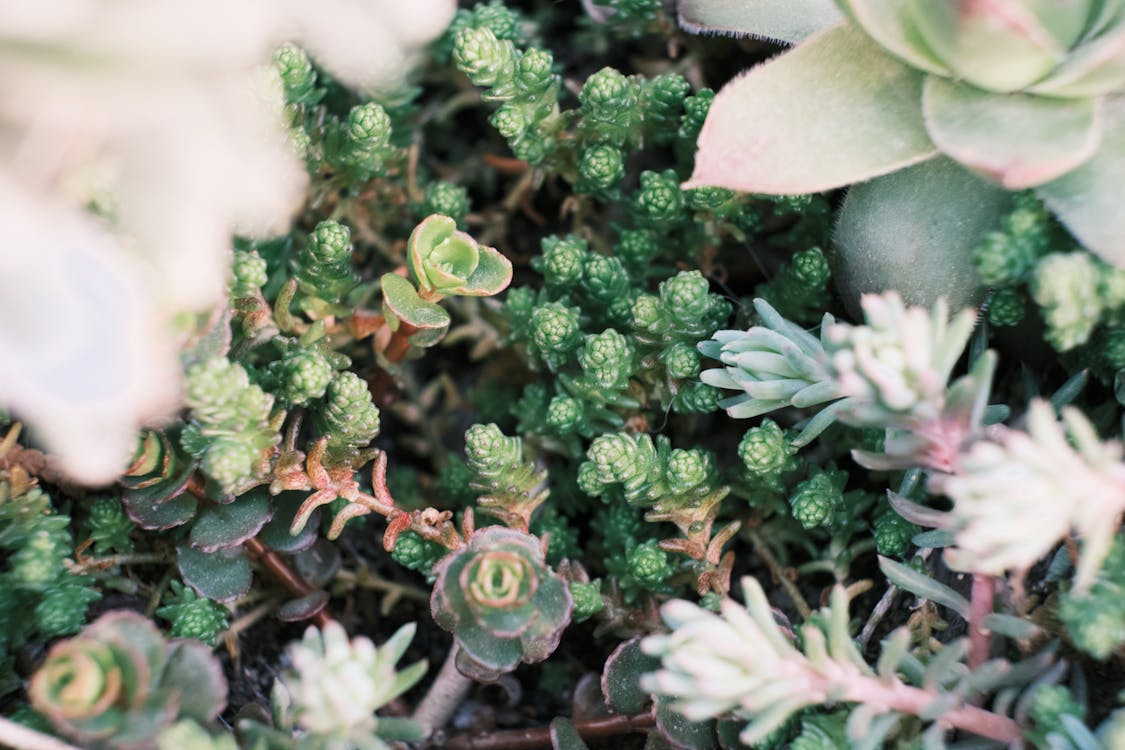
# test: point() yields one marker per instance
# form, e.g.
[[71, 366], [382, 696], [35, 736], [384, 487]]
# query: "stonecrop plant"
[[472, 375]]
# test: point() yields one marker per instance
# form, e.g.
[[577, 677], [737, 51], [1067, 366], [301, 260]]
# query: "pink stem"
[[984, 589]]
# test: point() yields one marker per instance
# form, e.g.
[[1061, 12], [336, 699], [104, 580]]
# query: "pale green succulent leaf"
[[789, 21], [403, 301], [833, 111], [1095, 68], [491, 276], [1088, 199], [1001, 45], [1017, 140], [891, 24]]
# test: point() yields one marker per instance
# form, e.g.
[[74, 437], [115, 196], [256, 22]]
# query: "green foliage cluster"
[[518, 443]]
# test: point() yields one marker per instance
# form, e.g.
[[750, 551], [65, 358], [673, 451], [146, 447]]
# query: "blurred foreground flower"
[[157, 115], [1017, 495]]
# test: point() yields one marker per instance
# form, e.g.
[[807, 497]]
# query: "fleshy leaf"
[[1018, 140], [788, 21], [1088, 199], [890, 23], [921, 585], [1096, 67], [304, 608], [1001, 45], [402, 299], [275, 534], [622, 674], [491, 276], [220, 526], [682, 732], [915, 231], [318, 564], [154, 514], [197, 678], [833, 111], [429, 233], [223, 575], [565, 736]]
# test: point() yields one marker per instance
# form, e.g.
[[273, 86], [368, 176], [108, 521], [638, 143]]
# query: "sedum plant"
[[1020, 92], [335, 686], [501, 601], [119, 683]]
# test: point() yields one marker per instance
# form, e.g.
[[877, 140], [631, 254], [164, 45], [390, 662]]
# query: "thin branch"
[[280, 570], [980, 606], [763, 551], [445, 695]]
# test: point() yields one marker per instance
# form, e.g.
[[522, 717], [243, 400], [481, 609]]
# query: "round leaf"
[[622, 674], [304, 608], [275, 534], [223, 575], [402, 299], [221, 526]]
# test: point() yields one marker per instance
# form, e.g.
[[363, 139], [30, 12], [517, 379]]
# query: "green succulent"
[[118, 683], [193, 616], [324, 271], [588, 599], [297, 75], [501, 601], [348, 416], [447, 198], [817, 500], [109, 526], [1022, 93], [1095, 619]]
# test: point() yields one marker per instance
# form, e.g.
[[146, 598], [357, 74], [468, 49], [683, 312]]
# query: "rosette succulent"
[[501, 601], [1024, 93], [443, 262], [119, 683]]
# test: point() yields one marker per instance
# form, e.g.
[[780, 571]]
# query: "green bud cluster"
[[767, 454], [193, 616], [248, 274], [650, 565], [109, 527], [415, 553], [1006, 306], [684, 310], [510, 486], [300, 376], [600, 170], [800, 287], [360, 147], [38, 595], [1065, 286], [662, 102], [324, 272], [348, 416], [1049, 705], [298, 78], [610, 106], [587, 598], [555, 334], [229, 429], [562, 262], [452, 485], [562, 538], [817, 500], [446, 198], [523, 82], [1095, 620], [894, 534], [636, 248], [659, 204], [1006, 256]]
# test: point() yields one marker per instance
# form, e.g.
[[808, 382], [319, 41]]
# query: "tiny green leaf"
[[402, 301], [923, 586]]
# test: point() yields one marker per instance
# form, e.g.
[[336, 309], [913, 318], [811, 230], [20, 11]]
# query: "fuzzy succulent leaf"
[[788, 21], [826, 126]]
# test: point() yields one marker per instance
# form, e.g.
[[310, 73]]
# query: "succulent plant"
[[1020, 92], [443, 262], [501, 601], [119, 683], [336, 685]]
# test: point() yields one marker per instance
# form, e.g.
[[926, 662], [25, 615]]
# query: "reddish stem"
[[526, 739], [269, 559], [980, 606], [383, 387]]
